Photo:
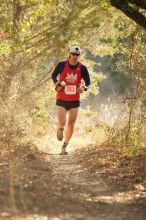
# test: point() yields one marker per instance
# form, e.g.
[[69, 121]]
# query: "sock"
[[65, 144], [61, 128]]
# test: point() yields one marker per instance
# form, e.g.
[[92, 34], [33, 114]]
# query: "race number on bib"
[[70, 90]]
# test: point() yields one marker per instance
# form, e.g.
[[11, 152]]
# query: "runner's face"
[[73, 58]]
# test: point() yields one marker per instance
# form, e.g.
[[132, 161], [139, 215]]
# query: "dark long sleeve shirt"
[[84, 72]]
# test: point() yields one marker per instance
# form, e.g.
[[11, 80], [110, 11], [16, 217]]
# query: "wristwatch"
[[85, 88]]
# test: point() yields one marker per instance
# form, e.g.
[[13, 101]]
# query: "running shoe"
[[64, 152]]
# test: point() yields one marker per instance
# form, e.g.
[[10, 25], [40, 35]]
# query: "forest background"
[[36, 34]]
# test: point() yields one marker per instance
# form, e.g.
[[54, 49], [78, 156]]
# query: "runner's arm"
[[55, 73], [86, 77], [58, 69]]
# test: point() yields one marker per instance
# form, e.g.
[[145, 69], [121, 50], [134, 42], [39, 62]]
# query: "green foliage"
[[130, 141], [105, 4]]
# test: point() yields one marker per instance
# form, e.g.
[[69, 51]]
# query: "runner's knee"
[[71, 122], [61, 122]]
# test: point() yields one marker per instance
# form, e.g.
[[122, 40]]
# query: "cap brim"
[[74, 52]]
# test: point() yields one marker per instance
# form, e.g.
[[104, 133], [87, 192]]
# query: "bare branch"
[[139, 3], [124, 6], [39, 84]]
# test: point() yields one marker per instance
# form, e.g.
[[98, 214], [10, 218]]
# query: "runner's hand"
[[80, 89], [58, 87]]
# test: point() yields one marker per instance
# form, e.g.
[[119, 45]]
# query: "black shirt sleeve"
[[58, 69], [85, 75]]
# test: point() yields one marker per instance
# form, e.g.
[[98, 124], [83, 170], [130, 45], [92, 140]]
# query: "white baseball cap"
[[75, 49]]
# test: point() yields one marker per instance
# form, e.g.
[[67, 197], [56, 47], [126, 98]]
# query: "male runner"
[[67, 77]]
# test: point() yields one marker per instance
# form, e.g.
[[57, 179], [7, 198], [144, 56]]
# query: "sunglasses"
[[75, 54]]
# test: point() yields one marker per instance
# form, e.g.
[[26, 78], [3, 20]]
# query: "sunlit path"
[[54, 187]]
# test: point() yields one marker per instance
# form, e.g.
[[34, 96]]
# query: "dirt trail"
[[53, 187]]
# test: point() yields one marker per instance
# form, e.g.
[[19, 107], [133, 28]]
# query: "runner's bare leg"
[[61, 116], [72, 116]]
